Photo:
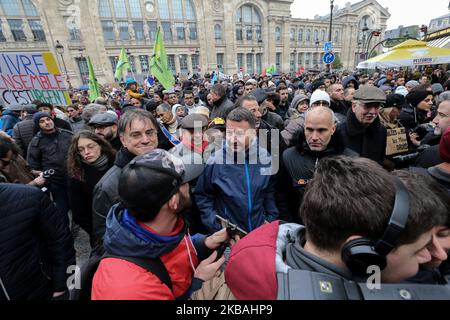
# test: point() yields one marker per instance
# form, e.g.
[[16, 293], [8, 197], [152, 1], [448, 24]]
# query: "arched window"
[[116, 14], [308, 35], [22, 16], [218, 32], [292, 35], [336, 36], [300, 35], [322, 35], [248, 23], [316, 35], [278, 34]]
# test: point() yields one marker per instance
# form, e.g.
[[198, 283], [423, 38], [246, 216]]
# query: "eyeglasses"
[[5, 163]]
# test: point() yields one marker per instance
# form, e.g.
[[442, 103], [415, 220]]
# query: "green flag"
[[122, 66], [94, 87], [271, 70], [159, 65]]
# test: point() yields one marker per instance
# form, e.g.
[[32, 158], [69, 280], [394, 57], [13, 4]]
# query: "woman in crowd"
[[90, 157]]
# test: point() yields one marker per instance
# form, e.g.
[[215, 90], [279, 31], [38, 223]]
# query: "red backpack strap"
[[250, 273]]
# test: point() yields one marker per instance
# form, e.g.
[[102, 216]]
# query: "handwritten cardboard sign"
[[396, 141], [25, 77]]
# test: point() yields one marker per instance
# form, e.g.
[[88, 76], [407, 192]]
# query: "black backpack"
[[88, 270]]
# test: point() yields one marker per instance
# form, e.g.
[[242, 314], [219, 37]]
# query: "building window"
[[144, 64], [84, 70], [74, 32], [322, 35], [179, 27], [292, 35], [190, 11], [104, 9], [120, 9], [219, 57], [38, 31], [300, 35], [336, 36], [307, 59], [29, 8], [138, 27], [114, 61], [177, 9], [300, 59], [192, 30], [239, 32], [278, 61], [195, 62], [132, 62], [218, 32], [108, 31], [10, 7], [250, 63], [240, 61], [2, 36], [166, 26], [183, 63], [123, 30], [278, 34], [152, 29], [292, 63], [308, 35], [135, 8], [16, 29], [316, 35], [163, 9], [171, 62], [259, 63], [248, 19]]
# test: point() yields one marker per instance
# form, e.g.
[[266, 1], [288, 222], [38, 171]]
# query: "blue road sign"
[[328, 47], [328, 58]]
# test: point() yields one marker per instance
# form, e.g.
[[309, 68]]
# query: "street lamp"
[[331, 27], [60, 50]]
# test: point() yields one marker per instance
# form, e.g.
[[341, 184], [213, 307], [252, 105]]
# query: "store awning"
[[440, 42]]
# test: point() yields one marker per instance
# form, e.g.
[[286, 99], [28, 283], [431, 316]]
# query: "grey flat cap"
[[194, 120], [104, 119], [370, 94], [15, 107]]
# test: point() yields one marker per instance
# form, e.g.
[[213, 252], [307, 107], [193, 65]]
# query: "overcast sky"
[[403, 12]]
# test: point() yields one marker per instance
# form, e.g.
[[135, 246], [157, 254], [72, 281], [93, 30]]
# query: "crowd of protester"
[[309, 168]]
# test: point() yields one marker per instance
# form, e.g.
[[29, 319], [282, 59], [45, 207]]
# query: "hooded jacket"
[[242, 193], [368, 142], [277, 247], [105, 195], [349, 79], [297, 170], [117, 279]]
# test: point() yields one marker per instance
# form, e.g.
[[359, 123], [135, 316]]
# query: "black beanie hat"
[[415, 97]]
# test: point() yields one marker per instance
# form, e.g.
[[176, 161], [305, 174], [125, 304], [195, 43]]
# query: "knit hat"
[[401, 90], [437, 88], [297, 99], [319, 95], [444, 146], [415, 97], [412, 84], [38, 115], [317, 84]]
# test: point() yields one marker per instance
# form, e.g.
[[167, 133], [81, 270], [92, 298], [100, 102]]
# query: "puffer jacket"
[[36, 245], [117, 279], [49, 151], [23, 133], [242, 193], [105, 195]]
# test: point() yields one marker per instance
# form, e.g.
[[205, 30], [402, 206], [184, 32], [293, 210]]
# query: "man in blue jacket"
[[10, 117], [238, 180]]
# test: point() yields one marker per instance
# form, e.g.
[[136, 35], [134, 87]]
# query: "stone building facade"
[[200, 35]]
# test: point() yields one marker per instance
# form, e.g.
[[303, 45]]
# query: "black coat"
[[50, 152], [297, 170], [105, 195], [340, 107], [36, 245], [368, 142], [81, 193], [429, 158]]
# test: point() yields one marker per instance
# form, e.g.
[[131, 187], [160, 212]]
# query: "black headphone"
[[362, 253]]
